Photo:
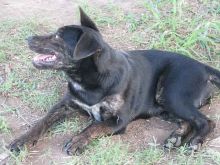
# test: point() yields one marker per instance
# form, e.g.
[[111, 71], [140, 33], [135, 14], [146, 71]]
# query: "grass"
[[172, 25], [108, 152], [169, 25], [14, 159], [15, 44], [181, 32], [18, 159], [68, 126], [204, 157], [105, 151], [22, 78], [151, 155], [4, 128]]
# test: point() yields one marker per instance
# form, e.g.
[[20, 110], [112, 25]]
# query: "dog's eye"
[[57, 36]]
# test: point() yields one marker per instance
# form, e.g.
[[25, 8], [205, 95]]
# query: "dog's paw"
[[173, 141], [195, 145], [16, 146], [75, 146]]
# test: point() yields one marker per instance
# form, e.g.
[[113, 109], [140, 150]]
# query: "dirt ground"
[[138, 134]]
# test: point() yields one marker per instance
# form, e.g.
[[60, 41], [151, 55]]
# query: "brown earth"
[[139, 133]]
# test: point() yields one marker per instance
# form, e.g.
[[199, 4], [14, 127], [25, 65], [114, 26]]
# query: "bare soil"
[[138, 134]]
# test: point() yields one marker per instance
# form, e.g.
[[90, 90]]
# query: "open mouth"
[[45, 58], [42, 61]]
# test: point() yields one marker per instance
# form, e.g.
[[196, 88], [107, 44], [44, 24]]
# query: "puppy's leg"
[[178, 136], [95, 130], [202, 127], [58, 112], [198, 122]]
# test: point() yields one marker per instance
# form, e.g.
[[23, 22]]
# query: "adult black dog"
[[116, 87]]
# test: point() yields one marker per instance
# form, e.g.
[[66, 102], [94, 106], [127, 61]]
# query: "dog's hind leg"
[[202, 127], [58, 112], [198, 122], [177, 137]]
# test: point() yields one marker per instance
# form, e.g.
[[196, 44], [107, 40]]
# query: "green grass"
[[68, 126], [107, 152], [13, 37], [149, 156], [169, 25], [101, 16], [2, 56], [17, 159], [23, 80], [4, 128], [205, 157], [179, 31], [14, 159]]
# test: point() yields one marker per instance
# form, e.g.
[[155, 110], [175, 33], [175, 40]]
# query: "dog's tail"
[[214, 75]]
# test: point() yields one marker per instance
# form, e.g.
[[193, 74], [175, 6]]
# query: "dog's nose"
[[29, 38]]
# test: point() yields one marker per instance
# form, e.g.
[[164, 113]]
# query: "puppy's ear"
[[87, 45], [86, 21]]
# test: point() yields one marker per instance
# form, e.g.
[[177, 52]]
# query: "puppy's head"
[[67, 46]]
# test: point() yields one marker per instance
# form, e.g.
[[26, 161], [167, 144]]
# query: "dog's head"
[[68, 45]]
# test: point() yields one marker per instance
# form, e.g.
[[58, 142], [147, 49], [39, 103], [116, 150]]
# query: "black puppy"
[[116, 87]]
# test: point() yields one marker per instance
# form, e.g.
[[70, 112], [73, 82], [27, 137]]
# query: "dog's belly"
[[105, 109]]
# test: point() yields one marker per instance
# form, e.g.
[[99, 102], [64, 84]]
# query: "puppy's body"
[[117, 87]]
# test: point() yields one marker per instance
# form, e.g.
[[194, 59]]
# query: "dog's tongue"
[[46, 58]]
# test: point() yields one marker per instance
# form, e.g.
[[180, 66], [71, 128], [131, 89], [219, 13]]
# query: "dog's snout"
[[29, 39]]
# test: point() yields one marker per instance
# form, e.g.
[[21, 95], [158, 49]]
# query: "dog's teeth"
[[51, 58], [54, 57]]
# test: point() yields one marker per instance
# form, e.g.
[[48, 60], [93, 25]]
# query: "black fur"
[[147, 82]]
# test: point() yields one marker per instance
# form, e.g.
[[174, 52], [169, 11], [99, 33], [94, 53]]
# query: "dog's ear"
[[87, 45], [86, 21]]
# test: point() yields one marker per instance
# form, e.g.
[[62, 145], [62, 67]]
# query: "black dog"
[[116, 87]]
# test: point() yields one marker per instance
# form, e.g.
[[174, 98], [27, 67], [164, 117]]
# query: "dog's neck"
[[93, 71], [104, 62], [83, 67]]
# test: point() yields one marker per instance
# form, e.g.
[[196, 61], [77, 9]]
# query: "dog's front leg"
[[58, 112], [77, 143]]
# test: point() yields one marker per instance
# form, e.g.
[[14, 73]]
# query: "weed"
[[7, 109], [103, 151], [68, 126], [148, 156], [101, 16], [133, 22], [18, 159], [2, 56], [23, 78], [178, 31], [3, 125]]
